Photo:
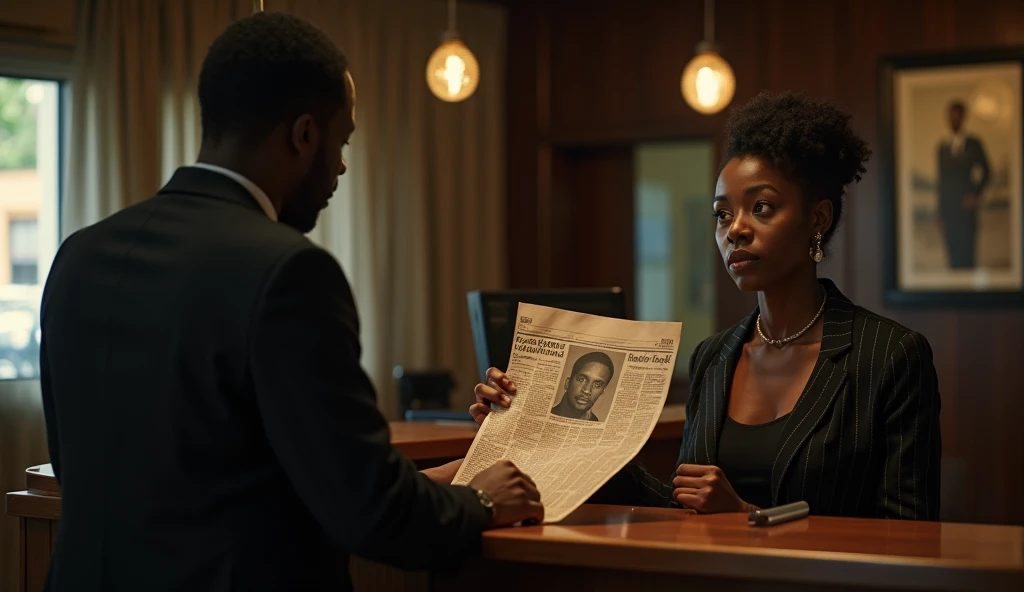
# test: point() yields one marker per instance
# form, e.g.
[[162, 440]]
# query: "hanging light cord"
[[451, 17], [709, 21]]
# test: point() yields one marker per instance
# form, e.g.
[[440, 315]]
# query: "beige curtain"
[[133, 114], [425, 183]]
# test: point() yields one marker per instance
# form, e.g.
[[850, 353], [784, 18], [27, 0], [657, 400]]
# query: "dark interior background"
[[588, 79]]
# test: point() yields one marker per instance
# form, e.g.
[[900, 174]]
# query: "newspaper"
[[574, 421]]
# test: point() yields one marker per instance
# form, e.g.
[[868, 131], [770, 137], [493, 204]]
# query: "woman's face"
[[765, 226]]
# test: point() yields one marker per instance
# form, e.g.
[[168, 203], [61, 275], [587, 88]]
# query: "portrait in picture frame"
[[952, 158]]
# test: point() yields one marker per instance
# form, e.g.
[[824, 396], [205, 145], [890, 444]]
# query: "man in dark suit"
[[208, 419], [963, 175]]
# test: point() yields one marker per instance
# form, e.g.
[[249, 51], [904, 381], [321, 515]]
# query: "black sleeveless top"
[[746, 454]]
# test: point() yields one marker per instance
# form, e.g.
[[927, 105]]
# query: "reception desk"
[[621, 548], [37, 508]]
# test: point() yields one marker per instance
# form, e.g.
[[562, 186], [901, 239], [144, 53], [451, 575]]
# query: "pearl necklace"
[[784, 341]]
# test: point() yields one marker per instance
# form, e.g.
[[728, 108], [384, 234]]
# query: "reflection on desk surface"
[[999, 547]]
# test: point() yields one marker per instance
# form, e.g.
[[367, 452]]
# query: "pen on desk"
[[778, 514]]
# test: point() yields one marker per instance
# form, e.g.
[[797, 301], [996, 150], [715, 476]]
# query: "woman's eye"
[[762, 206]]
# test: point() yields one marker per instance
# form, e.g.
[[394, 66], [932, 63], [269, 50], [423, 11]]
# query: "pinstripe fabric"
[[863, 438]]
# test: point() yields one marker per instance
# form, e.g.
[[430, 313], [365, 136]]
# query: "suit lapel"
[[826, 381]]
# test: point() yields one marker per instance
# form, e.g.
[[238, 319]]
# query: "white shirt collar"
[[956, 141], [258, 194]]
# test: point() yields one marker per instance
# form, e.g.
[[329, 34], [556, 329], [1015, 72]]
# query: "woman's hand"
[[498, 389], [705, 489]]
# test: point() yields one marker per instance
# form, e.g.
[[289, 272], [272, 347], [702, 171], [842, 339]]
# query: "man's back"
[[208, 419], [209, 423]]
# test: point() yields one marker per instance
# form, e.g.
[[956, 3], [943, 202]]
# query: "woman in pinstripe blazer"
[[810, 397], [863, 437]]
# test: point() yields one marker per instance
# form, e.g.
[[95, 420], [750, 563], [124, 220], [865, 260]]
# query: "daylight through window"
[[29, 181]]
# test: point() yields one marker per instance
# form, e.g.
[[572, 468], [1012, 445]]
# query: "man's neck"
[[227, 155]]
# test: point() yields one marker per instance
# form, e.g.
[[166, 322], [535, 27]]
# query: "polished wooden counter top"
[[814, 551], [41, 498]]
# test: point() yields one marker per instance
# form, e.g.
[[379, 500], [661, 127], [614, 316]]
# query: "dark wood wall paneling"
[[587, 79]]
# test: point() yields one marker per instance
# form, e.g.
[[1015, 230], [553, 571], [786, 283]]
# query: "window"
[[675, 244], [29, 181], [25, 251]]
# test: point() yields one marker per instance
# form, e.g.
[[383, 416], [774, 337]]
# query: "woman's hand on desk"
[[705, 489], [498, 389]]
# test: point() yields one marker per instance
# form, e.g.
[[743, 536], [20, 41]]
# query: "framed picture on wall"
[[952, 157]]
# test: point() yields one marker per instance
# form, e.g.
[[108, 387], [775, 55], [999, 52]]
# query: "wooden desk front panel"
[[38, 512]]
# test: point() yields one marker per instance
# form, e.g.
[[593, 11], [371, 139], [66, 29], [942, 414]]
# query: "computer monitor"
[[492, 315]]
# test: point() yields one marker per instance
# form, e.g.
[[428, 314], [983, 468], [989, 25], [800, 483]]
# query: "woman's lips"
[[744, 264]]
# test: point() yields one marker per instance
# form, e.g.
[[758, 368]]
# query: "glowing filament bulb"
[[452, 72], [708, 86], [708, 83]]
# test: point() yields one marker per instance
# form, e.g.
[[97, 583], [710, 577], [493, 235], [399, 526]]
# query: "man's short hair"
[[267, 69], [597, 358], [958, 105]]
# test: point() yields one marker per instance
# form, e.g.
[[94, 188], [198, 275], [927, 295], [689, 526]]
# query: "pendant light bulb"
[[452, 70], [708, 82]]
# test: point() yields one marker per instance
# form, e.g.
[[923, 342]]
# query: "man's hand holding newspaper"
[[513, 493]]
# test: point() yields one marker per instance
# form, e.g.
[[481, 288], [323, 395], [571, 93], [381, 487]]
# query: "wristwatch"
[[485, 501]]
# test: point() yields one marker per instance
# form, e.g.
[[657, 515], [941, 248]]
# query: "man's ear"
[[305, 135]]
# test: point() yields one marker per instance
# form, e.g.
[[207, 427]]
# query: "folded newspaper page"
[[589, 391]]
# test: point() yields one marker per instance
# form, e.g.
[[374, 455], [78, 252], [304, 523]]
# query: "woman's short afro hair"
[[808, 139]]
